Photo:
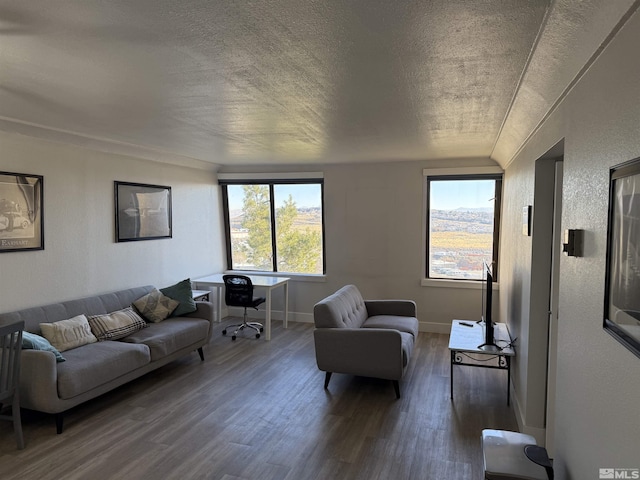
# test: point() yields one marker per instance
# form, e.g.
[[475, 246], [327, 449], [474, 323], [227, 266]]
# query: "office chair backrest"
[[238, 290], [10, 346]]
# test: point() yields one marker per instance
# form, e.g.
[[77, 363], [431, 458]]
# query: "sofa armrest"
[[402, 308], [369, 352], [38, 380], [204, 310]]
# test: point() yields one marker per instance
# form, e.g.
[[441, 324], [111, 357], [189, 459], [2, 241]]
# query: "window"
[[274, 225], [463, 217]]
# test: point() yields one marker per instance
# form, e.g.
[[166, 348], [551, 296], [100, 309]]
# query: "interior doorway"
[[538, 414], [554, 293]]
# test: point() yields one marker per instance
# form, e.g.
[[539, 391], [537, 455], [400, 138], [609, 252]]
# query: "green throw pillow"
[[31, 341], [181, 292]]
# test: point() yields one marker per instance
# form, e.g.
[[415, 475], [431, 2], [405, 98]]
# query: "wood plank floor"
[[257, 410]]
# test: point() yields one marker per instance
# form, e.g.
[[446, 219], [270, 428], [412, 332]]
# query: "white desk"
[[259, 281], [201, 294], [465, 339]]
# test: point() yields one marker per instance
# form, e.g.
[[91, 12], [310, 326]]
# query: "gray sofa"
[[96, 368], [369, 338]]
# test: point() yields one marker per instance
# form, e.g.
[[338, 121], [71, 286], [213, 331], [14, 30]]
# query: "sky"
[[307, 195], [445, 195], [449, 195]]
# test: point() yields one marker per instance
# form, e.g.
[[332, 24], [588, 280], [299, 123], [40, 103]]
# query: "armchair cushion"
[[366, 352], [402, 308], [403, 324]]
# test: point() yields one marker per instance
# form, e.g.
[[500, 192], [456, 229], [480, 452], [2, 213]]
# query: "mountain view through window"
[[461, 227]]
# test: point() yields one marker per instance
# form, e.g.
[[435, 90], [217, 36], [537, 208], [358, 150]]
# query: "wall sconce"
[[526, 220], [573, 243]]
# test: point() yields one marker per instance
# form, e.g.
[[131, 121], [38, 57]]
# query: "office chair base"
[[241, 326]]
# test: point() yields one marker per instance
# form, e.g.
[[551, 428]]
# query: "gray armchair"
[[369, 338]]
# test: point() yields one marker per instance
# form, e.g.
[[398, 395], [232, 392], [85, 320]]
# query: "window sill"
[[444, 283], [295, 277]]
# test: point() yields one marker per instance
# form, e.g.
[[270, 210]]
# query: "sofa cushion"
[[67, 334], [115, 325], [181, 292], [31, 341], [93, 365], [155, 306], [96, 305], [170, 335], [404, 324], [407, 347], [343, 309]]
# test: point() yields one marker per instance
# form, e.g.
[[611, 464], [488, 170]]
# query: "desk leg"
[[286, 305], [508, 380], [451, 376], [267, 323], [219, 304]]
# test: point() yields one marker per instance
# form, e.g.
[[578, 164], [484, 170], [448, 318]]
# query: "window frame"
[[481, 173], [286, 179]]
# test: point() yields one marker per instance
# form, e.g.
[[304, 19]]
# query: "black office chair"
[[239, 293]]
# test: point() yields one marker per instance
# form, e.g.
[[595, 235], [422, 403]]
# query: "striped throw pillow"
[[116, 325]]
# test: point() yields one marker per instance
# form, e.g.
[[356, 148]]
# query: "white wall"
[[374, 239], [373, 216], [598, 380], [81, 257]]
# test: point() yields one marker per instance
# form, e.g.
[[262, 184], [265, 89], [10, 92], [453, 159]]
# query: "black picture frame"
[[622, 284], [21, 212], [143, 212]]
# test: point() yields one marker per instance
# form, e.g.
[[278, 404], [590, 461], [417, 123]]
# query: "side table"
[[465, 341]]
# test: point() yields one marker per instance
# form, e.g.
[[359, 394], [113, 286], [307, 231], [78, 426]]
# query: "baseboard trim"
[[536, 432], [433, 327]]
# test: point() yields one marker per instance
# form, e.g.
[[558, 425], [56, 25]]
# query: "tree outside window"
[[275, 227]]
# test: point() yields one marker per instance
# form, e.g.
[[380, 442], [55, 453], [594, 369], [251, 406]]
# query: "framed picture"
[[622, 287], [21, 222], [143, 212]]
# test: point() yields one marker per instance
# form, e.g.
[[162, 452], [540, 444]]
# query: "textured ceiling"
[[277, 81]]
